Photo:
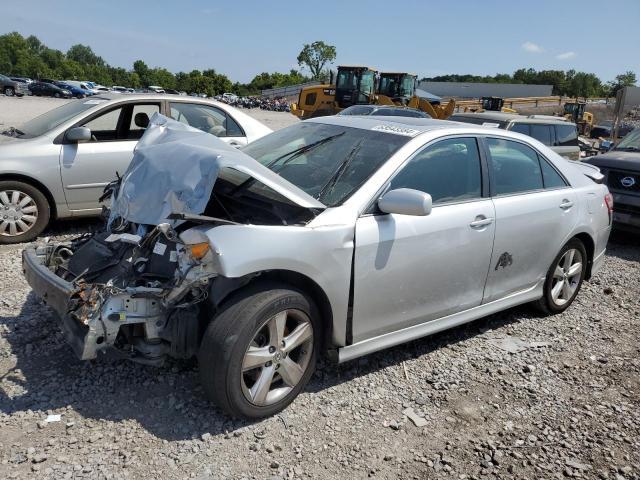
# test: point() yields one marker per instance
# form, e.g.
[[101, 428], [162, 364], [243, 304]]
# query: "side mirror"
[[79, 134], [406, 201]]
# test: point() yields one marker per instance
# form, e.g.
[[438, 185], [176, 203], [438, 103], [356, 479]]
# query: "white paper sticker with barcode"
[[159, 248], [408, 132]]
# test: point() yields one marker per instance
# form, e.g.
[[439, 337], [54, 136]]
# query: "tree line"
[[29, 57], [566, 83]]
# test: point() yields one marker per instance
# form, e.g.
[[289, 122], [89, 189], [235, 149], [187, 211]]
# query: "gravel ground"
[[565, 403]]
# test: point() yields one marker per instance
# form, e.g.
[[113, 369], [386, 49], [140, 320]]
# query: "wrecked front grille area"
[[138, 293]]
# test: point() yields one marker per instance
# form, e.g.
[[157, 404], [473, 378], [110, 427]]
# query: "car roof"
[[367, 122], [150, 96], [508, 117]]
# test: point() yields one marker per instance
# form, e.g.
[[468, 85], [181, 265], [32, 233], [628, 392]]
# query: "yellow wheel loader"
[[575, 112], [357, 86]]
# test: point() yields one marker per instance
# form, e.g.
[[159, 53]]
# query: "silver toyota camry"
[[338, 235]]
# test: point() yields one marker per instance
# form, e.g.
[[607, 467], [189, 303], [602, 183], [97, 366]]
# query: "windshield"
[[406, 87], [51, 119], [329, 162], [631, 141]]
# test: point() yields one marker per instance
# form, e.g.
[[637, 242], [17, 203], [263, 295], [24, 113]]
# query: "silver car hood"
[[174, 169]]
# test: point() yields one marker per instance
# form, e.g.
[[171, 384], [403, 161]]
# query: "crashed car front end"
[[140, 288], [118, 290]]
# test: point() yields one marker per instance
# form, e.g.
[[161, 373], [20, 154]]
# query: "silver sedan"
[[56, 165], [341, 234]]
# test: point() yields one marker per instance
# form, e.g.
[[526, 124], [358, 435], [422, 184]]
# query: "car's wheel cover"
[[18, 213], [277, 357]]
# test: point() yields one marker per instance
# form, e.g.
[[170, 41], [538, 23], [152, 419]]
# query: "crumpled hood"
[[617, 159], [174, 169]]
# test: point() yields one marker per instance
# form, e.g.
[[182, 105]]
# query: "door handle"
[[481, 221], [566, 204]]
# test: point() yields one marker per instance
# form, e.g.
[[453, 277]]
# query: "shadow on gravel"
[[168, 401], [624, 245]]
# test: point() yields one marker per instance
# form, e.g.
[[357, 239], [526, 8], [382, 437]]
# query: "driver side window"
[[448, 170], [105, 127]]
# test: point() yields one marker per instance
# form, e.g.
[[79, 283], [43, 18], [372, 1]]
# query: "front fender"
[[323, 254]]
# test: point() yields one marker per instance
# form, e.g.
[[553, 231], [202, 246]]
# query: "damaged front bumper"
[[56, 292], [139, 322]]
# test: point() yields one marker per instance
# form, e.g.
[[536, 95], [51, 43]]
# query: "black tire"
[[547, 305], [9, 91], [57, 95], [228, 336], [42, 217]]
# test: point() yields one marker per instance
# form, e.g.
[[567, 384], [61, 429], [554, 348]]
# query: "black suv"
[[621, 167]]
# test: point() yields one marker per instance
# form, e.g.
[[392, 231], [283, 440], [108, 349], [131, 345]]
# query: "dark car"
[[11, 87], [603, 129], [383, 111], [44, 89], [621, 167]]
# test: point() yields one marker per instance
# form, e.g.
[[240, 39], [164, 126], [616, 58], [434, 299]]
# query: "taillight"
[[608, 200]]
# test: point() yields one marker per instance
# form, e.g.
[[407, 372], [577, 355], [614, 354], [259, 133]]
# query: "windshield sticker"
[[408, 132], [489, 124], [95, 102]]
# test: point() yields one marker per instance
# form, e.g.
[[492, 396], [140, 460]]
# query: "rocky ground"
[[513, 395]]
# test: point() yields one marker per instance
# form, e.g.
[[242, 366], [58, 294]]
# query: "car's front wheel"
[[564, 278], [9, 91], [24, 212], [259, 353]]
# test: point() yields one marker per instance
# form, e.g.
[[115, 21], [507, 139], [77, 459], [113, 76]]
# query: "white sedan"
[[57, 165]]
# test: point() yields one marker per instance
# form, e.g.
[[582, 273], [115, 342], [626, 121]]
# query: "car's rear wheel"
[[24, 212], [259, 353], [57, 95], [564, 278], [9, 91]]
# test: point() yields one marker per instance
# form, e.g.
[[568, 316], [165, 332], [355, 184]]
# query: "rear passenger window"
[[515, 167], [520, 128], [566, 135], [542, 133], [551, 177], [448, 170]]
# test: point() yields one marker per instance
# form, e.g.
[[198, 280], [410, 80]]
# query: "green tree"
[[315, 56], [84, 54]]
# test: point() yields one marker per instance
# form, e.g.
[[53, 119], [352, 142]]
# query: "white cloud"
[[565, 55], [531, 47]]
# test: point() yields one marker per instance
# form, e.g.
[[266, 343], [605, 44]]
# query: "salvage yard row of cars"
[[258, 251]]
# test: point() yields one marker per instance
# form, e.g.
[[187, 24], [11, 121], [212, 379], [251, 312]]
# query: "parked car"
[[621, 168], [171, 91], [557, 133], [88, 90], [603, 129], [21, 79], [61, 161], [384, 111], [155, 89], [11, 87], [23, 84], [76, 92], [343, 234], [45, 89], [119, 89]]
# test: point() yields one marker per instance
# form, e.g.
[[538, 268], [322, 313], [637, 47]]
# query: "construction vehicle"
[[357, 86], [491, 104], [575, 112]]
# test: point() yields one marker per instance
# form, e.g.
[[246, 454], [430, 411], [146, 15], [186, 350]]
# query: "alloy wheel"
[[566, 277], [277, 357], [18, 213], [8, 92]]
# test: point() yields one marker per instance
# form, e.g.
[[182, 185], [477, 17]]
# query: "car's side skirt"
[[434, 326]]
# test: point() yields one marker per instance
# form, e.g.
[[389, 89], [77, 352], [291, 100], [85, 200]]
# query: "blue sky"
[[242, 39]]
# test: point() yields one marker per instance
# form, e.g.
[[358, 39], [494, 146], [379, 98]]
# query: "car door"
[[209, 119], [535, 211], [412, 269], [87, 167]]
